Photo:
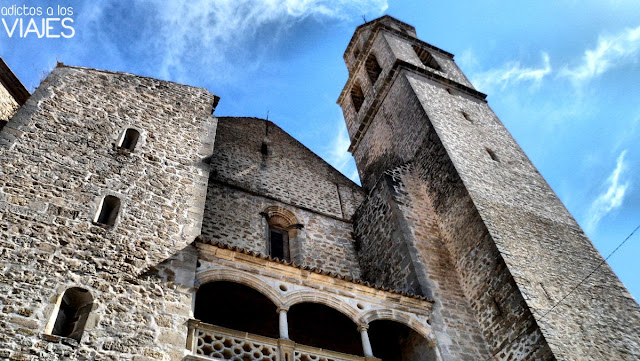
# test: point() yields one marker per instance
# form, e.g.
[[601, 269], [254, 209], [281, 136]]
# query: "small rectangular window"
[[493, 155], [129, 140], [278, 244], [108, 211], [75, 306]]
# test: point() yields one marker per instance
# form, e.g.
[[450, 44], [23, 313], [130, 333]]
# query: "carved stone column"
[[283, 324], [366, 344]]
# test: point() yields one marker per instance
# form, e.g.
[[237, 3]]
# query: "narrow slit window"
[[279, 244], [426, 58], [492, 154], [73, 312], [108, 211], [356, 54], [357, 96], [373, 68], [129, 140], [467, 117]]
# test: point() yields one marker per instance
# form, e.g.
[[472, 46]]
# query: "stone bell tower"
[[455, 211]]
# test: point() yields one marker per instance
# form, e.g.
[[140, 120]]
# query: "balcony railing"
[[209, 342]]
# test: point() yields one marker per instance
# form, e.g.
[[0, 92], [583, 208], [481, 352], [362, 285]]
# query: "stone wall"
[[233, 217], [245, 181], [285, 173], [12, 94], [534, 249], [59, 160], [406, 249], [383, 247], [393, 136]]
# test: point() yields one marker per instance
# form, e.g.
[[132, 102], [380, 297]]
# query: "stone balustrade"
[[209, 342]]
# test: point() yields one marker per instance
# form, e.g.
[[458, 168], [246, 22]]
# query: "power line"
[[572, 290]]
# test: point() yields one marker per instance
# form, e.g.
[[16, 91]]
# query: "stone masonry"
[[244, 182], [447, 160], [126, 198], [58, 161]]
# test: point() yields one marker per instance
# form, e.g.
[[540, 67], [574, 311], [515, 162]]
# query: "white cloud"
[[467, 60], [337, 151], [610, 52], [210, 32], [512, 73], [611, 198], [337, 154]]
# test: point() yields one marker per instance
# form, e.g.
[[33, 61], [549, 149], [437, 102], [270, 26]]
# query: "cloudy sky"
[[563, 77]]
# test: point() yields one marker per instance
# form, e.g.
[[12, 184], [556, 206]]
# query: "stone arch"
[[280, 217], [129, 139], [323, 321], [282, 233], [244, 278], [422, 328], [324, 299], [71, 312]]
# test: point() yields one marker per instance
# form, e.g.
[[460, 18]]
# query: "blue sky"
[[562, 76]]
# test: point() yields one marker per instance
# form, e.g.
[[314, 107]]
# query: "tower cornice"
[[399, 65], [378, 25]]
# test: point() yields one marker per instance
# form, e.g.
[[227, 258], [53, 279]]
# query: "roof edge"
[[13, 85]]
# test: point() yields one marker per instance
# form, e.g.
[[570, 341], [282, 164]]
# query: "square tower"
[[456, 211]]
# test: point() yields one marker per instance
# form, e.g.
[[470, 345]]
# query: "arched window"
[[357, 96], [356, 53], [129, 140], [373, 68], [426, 58], [108, 213], [73, 312], [283, 227]]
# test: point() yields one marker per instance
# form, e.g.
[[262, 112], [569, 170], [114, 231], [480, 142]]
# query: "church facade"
[[136, 224]]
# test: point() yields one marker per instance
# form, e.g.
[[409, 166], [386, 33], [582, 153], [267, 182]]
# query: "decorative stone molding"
[[287, 285], [315, 296], [410, 321], [220, 274], [280, 217]]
